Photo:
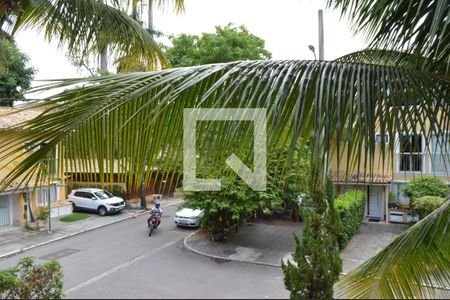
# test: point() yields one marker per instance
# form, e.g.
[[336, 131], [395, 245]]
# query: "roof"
[[11, 116], [372, 178]]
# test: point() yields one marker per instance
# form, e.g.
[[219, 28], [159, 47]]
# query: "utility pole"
[[48, 196], [321, 49], [150, 17]]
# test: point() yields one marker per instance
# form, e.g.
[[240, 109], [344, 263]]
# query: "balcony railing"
[[410, 162]]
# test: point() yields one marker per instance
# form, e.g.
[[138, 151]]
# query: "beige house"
[[383, 184], [19, 201]]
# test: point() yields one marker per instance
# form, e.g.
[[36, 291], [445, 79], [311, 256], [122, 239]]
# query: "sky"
[[287, 26]]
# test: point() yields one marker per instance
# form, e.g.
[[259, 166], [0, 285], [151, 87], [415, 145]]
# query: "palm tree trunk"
[[150, 17], [142, 186]]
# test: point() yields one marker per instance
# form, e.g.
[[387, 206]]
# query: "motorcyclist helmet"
[[157, 204]]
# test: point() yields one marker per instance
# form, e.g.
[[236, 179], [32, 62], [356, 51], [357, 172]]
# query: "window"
[[86, 195], [79, 194], [42, 195], [103, 195], [440, 154], [410, 153], [382, 138]]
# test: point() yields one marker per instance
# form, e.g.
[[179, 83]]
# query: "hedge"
[[424, 206], [425, 186], [350, 207]]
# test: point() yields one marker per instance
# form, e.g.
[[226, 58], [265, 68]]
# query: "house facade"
[[382, 183], [19, 201]]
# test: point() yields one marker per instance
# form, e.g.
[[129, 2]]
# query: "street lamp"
[[313, 50]]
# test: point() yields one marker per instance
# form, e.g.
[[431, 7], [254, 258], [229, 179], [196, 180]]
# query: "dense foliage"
[[30, 281], [425, 205], [15, 74], [316, 264], [229, 43], [425, 186], [236, 200], [224, 208], [350, 207], [283, 186]]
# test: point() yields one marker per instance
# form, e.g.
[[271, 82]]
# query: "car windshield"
[[104, 195]]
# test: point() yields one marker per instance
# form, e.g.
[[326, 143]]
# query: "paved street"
[[120, 261]]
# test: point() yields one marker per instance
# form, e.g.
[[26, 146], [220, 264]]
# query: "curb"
[[190, 248], [15, 252]]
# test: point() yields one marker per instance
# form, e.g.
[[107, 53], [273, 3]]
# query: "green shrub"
[[423, 206], [42, 213], [30, 281], [425, 186], [222, 209], [350, 207]]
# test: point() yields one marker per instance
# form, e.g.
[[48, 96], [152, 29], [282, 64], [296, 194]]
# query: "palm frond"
[[415, 265], [136, 120], [394, 59], [88, 26], [416, 26]]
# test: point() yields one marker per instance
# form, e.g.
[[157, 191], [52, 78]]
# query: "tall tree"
[[228, 43], [85, 27], [303, 99], [15, 74]]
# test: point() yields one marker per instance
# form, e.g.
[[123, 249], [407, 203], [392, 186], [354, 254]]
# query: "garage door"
[[4, 211]]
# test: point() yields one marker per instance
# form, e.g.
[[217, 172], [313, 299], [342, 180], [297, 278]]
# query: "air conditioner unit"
[[382, 138]]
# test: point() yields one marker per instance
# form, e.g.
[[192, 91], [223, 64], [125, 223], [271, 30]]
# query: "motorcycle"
[[154, 221]]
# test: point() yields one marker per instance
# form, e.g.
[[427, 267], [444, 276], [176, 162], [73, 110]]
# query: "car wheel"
[[102, 211], [74, 207]]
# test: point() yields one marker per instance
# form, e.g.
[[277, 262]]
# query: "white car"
[[98, 200], [188, 217]]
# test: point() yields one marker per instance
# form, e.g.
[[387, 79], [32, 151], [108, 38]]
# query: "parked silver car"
[[188, 217], [98, 200]]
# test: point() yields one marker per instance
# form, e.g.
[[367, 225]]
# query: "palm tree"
[[133, 6], [401, 80], [85, 27]]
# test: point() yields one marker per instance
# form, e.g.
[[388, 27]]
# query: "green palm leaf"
[[87, 26], [135, 120], [415, 265], [419, 26], [394, 59]]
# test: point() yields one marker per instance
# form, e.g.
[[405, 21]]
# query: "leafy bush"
[[424, 206], [350, 207], [224, 208], [29, 281], [425, 186], [42, 213]]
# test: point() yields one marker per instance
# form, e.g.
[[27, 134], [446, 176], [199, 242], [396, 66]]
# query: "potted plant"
[[42, 216]]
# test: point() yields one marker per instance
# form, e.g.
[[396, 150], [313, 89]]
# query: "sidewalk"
[[14, 240], [268, 244]]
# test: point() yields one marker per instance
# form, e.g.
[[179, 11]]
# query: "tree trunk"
[[142, 193]]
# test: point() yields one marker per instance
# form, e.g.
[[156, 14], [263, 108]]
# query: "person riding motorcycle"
[[154, 212]]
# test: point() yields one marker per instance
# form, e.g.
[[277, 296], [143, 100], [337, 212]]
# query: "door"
[[90, 201], [5, 210], [375, 202]]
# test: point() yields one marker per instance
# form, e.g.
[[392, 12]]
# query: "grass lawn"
[[74, 217]]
